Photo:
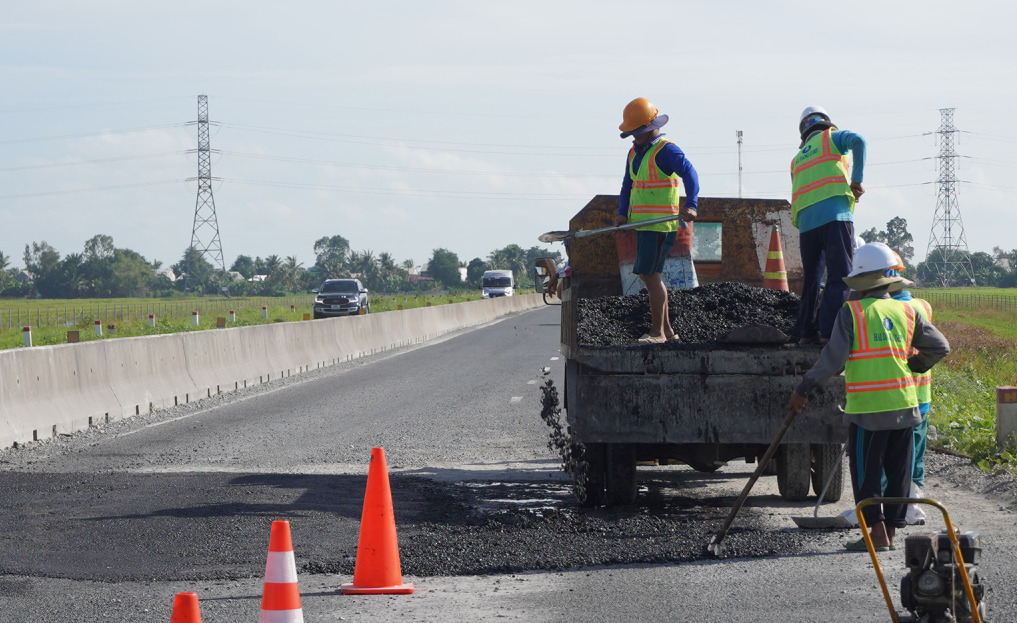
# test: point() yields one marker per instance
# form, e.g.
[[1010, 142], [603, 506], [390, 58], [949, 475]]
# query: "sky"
[[408, 126]]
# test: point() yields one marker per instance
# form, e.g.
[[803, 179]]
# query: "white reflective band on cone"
[[281, 568], [281, 616]]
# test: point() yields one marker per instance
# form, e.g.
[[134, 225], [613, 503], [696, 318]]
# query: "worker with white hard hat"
[[880, 343], [826, 180], [654, 171]]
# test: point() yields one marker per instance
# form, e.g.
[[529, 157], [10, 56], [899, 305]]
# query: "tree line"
[[943, 267], [103, 270]]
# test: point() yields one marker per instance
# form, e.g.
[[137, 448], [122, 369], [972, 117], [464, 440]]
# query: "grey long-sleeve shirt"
[[930, 343]]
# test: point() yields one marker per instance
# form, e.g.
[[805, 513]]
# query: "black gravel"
[[698, 315]]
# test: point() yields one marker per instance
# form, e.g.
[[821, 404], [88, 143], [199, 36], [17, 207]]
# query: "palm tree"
[[272, 264], [4, 261], [291, 271]]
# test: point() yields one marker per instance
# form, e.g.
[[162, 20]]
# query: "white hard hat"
[[811, 111], [873, 256], [859, 241]]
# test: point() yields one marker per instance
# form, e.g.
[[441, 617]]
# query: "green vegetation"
[[984, 356], [130, 316], [103, 270]]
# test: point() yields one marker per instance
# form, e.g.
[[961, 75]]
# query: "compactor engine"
[[933, 590]]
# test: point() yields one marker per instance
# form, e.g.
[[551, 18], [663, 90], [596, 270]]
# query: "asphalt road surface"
[[110, 523]]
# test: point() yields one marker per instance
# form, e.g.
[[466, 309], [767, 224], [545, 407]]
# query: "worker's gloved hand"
[[689, 214], [797, 402], [620, 220], [857, 190]]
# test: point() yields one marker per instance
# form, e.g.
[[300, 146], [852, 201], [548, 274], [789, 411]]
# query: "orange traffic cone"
[[280, 601], [377, 570], [775, 276], [185, 609]]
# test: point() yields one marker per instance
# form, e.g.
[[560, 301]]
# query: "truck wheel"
[[588, 486], [826, 458], [794, 471], [621, 474]]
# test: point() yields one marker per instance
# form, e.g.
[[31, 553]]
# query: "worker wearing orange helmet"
[[826, 180], [654, 171]]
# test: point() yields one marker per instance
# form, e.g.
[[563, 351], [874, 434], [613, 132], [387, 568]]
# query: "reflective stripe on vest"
[[923, 381], [876, 376], [819, 171], [653, 194]]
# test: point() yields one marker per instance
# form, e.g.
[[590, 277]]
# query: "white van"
[[498, 283]]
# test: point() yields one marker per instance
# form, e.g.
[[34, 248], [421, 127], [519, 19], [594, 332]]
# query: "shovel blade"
[[823, 523]]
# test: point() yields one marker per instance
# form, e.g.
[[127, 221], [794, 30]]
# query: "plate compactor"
[[942, 583]]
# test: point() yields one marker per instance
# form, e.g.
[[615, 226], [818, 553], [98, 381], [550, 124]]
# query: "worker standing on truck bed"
[[822, 207], [650, 190], [872, 340]]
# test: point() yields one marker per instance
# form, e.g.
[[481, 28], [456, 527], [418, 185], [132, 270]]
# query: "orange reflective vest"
[[819, 171], [876, 375], [923, 381], [654, 194]]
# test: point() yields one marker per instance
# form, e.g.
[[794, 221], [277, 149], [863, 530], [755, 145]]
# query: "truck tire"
[[794, 471], [588, 486], [621, 474], [826, 458]]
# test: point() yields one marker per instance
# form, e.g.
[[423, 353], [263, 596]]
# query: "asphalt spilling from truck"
[[697, 315]]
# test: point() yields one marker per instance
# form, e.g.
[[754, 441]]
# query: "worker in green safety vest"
[[651, 189], [881, 344], [826, 180]]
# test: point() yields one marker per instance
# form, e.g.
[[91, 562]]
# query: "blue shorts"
[[652, 248]]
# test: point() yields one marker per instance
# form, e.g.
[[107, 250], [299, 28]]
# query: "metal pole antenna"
[[738, 133], [206, 225], [947, 255]]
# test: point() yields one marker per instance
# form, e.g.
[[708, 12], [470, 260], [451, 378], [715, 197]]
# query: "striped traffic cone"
[[377, 570], [775, 276], [185, 609], [280, 602]]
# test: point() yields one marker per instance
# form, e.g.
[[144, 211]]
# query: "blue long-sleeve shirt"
[[670, 160], [836, 208]]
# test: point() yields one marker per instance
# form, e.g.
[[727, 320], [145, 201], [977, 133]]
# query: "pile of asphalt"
[[698, 315]]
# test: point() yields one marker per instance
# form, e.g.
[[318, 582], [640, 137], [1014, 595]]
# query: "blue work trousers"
[[828, 248]]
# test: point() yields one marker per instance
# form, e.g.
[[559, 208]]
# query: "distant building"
[[235, 275], [258, 278], [24, 276]]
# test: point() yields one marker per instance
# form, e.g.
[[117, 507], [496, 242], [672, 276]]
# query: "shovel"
[[714, 546], [819, 523], [562, 236]]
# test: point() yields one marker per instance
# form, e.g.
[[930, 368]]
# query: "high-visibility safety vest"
[[654, 194], [876, 376], [819, 171], [923, 381]]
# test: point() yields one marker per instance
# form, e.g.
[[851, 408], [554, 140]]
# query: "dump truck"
[[702, 404]]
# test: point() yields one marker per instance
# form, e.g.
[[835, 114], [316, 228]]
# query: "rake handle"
[[717, 538]]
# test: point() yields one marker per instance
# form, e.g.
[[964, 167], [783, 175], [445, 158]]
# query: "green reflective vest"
[[654, 194], [819, 171], [876, 375], [923, 381]]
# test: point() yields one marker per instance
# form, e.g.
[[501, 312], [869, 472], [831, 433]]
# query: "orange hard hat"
[[637, 113], [900, 262]]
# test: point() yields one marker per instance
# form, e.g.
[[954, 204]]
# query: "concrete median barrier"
[[50, 390]]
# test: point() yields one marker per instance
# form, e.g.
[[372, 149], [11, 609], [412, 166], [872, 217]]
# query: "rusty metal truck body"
[[701, 404]]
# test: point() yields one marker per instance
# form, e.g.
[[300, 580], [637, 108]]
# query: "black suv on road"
[[340, 297]]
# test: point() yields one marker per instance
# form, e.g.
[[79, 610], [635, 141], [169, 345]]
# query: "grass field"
[[52, 320], [984, 356]]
